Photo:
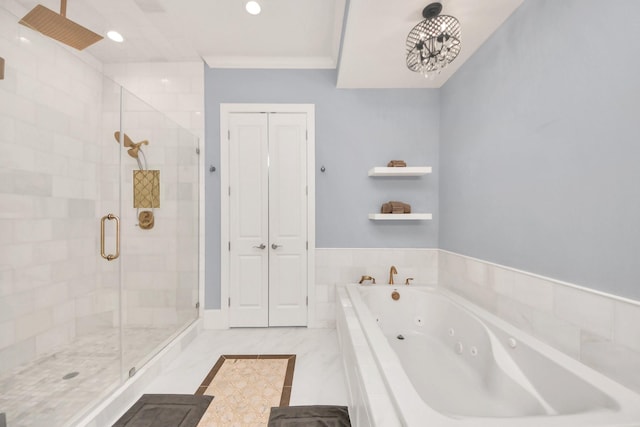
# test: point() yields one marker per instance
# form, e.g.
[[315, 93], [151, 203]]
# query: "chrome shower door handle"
[[109, 257], [274, 246], [262, 246]]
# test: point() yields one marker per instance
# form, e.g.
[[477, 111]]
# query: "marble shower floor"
[[35, 394], [318, 378]]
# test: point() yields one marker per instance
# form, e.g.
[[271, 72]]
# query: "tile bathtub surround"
[[346, 265], [598, 329]]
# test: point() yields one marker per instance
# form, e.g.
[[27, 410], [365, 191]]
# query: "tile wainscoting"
[[598, 329], [347, 265]]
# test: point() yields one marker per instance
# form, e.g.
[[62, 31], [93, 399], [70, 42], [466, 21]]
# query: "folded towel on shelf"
[[397, 164], [400, 207], [396, 207]]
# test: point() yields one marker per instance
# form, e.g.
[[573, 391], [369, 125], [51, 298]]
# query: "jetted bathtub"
[[431, 358]]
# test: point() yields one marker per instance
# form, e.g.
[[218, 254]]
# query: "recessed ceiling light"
[[115, 36], [253, 7]]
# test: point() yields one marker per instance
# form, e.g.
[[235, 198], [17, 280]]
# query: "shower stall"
[[93, 283]]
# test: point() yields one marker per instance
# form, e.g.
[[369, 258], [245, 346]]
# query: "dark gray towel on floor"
[[310, 416], [165, 410]]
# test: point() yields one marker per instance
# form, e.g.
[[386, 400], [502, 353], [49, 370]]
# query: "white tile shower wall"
[[598, 329], [160, 264], [347, 265], [176, 89], [50, 104]]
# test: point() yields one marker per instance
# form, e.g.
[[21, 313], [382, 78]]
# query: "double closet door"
[[268, 219]]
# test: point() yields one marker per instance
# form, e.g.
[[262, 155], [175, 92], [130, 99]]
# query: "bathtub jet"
[[463, 367]]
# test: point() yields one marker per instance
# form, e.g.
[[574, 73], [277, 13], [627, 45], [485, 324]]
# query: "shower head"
[[59, 27], [133, 152], [128, 142]]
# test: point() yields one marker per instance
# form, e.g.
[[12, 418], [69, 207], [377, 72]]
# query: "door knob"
[[262, 246], [274, 246]]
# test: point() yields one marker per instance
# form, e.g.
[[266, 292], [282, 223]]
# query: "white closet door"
[[287, 219], [249, 226]]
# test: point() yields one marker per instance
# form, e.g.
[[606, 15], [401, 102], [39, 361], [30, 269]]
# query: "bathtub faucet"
[[363, 278], [392, 271]]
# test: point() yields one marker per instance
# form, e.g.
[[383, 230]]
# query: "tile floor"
[[36, 395], [318, 378]]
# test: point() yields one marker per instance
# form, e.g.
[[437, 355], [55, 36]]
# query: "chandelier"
[[433, 43]]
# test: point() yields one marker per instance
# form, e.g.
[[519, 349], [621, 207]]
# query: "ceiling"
[[287, 34]]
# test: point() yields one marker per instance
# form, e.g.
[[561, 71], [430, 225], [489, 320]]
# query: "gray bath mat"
[[165, 410], [310, 416]]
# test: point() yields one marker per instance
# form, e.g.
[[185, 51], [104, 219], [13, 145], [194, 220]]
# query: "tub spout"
[[392, 271], [363, 278]]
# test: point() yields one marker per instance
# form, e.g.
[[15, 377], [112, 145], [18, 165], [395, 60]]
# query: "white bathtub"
[[458, 365]]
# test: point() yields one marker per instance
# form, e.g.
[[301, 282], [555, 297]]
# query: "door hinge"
[[307, 301], [306, 135], [229, 190], [307, 245], [229, 245], [229, 134], [198, 305], [229, 301], [306, 190]]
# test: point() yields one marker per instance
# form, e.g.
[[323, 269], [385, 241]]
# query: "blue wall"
[[540, 148], [355, 130]]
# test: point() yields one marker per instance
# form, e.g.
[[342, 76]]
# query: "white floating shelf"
[[401, 217], [402, 171]]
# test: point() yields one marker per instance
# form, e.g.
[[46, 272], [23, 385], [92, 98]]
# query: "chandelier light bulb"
[[433, 43]]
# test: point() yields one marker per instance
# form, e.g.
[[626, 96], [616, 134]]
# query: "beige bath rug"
[[245, 387]]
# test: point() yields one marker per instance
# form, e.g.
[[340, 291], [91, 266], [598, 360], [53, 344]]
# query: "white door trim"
[[225, 110]]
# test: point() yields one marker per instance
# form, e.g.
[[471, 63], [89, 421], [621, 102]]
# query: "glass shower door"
[[159, 231]]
